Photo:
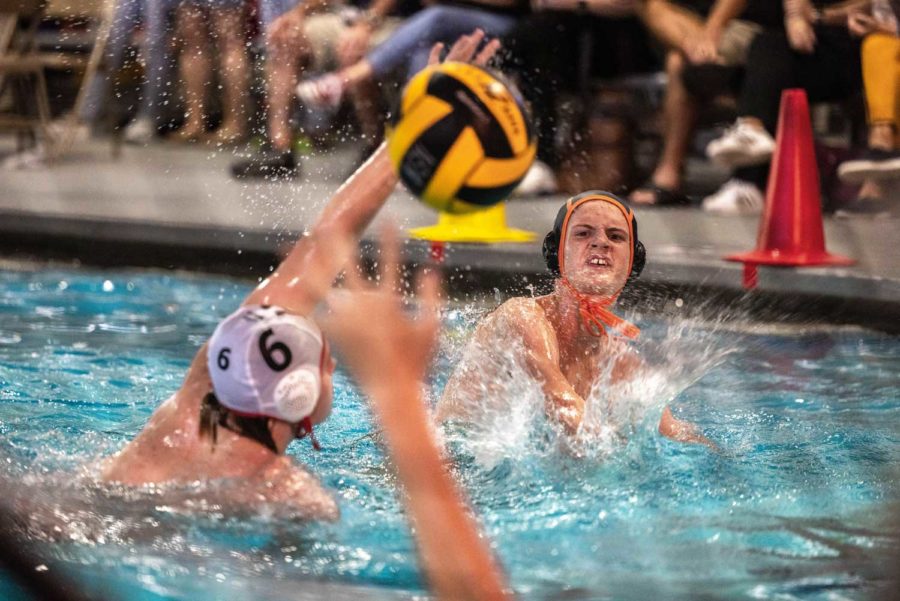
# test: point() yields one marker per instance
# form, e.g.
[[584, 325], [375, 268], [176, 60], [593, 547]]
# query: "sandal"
[[662, 197], [321, 92]]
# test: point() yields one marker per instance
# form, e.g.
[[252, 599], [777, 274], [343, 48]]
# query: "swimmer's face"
[[597, 249]]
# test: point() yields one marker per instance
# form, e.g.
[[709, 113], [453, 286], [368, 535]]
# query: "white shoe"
[[539, 181], [69, 128], [874, 164], [140, 131], [735, 197], [741, 145]]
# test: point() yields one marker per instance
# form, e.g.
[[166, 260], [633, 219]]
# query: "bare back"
[[169, 451]]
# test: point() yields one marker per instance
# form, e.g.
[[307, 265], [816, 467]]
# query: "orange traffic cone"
[[791, 232]]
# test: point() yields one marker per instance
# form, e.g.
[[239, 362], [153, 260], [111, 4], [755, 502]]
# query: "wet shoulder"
[[519, 313], [289, 484]]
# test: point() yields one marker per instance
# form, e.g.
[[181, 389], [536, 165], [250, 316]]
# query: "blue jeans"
[[411, 43], [157, 59]]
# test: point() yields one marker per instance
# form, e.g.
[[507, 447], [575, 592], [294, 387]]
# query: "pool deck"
[[167, 205]]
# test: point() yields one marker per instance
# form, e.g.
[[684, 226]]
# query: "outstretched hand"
[[465, 50], [388, 352], [382, 342]]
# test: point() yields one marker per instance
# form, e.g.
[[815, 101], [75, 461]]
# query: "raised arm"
[[456, 559], [302, 279], [304, 276]]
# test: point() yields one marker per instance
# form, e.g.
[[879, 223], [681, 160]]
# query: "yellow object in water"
[[486, 227]]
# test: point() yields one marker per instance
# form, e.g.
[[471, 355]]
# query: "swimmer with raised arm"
[[569, 337], [264, 377], [457, 561]]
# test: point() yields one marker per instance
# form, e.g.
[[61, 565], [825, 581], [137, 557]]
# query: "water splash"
[[505, 404]]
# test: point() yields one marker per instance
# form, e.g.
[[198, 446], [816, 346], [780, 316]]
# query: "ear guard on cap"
[[552, 240], [296, 394]]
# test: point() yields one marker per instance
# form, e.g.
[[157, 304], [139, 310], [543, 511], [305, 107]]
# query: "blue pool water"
[[797, 506]]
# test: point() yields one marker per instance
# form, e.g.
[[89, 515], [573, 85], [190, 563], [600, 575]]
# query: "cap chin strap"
[[596, 317], [305, 428]]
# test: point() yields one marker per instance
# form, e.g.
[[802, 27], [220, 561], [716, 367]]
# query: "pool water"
[[801, 503]]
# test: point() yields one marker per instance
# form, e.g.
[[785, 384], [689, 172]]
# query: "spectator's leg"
[[325, 33], [195, 65], [880, 53], [125, 21], [286, 51], [283, 60], [830, 73], [453, 22], [440, 23], [679, 116], [411, 36], [408, 46], [771, 68], [159, 87], [234, 67], [669, 23]]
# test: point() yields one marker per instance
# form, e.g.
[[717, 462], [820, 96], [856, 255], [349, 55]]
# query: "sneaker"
[[69, 128], [741, 145], [34, 158], [269, 163], [874, 164], [539, 181], [325, 91], [736, 197], [864, 207], [140, 131]]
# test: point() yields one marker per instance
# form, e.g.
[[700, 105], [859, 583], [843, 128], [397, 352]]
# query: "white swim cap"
[[264, 361]]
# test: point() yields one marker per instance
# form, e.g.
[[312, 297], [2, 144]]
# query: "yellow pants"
[[881, 76]]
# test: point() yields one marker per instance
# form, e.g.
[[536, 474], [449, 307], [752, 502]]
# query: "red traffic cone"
[[791, 232]]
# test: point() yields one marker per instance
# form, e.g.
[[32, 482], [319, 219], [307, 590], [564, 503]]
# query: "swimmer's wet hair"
[[213, 414], [553, 238]]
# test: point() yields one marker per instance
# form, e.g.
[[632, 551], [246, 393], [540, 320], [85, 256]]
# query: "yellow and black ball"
[[462, 139]]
